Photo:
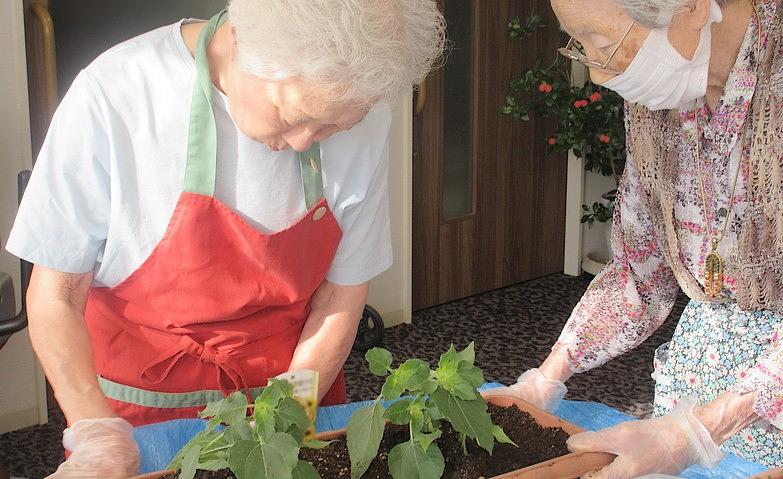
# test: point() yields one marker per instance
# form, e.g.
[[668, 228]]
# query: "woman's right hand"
[[101, 448], [535, 388]]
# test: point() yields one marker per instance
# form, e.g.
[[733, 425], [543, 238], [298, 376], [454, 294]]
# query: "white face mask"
[[662, 79]]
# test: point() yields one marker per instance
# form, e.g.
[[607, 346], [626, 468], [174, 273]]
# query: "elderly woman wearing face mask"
[[699, 208], [208, 207]]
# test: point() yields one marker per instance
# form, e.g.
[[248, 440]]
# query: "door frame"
[[21, 372]]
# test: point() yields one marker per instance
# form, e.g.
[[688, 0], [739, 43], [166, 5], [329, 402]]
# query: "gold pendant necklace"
[[713, 263]]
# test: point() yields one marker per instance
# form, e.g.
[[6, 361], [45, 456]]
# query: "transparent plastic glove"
[[535, 388], [663, 445], [100, 449]]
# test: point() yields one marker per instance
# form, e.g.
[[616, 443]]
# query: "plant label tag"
[[305, 383]]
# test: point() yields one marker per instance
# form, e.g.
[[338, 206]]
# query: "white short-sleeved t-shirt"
[[112, 167]]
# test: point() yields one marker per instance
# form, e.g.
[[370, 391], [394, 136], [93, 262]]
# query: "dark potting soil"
[[537, 444]]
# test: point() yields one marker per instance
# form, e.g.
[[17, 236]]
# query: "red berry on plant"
[[544, 87], [604, 138], [596, 96], [552, 140]]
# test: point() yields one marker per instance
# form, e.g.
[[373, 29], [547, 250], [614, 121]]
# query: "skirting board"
[[394, 318]]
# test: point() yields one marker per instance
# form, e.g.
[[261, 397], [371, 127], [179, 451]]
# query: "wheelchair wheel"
[[371, 330]]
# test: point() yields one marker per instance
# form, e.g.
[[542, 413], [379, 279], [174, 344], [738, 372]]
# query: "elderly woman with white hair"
[[700, 207], [208, 207]]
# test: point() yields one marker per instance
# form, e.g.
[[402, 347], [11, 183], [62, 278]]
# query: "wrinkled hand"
[[535, 388], [664, 445], [100, 449]]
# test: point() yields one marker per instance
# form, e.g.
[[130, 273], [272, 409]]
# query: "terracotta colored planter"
[[771, 474], [570, 466]]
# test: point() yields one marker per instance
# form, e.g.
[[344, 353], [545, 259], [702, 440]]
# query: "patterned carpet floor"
[[513, 329]]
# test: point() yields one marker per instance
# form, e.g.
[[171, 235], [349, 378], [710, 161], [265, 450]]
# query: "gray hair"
[[364, 51], [657, 13]]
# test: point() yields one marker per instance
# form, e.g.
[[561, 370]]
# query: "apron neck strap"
[[202, 132]]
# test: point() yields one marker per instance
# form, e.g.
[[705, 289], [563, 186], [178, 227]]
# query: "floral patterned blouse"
[[634, 294]]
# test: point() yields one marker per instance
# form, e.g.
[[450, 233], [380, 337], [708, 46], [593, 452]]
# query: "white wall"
[[22, 388], [390, 293], [583, 188]]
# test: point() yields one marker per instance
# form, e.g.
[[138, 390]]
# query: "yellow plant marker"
[[305, 383]]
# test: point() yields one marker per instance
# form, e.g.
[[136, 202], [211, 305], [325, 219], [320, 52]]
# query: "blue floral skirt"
[[713, 347]]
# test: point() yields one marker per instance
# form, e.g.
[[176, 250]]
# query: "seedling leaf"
[[316, 444], [500, 435], [365, 431], [409, 461], [468, 417], [229, 411], [380, 361], [399, 412], [305, 470], [411, 375]]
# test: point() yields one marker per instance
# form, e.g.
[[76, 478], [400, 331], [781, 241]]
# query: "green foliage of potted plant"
[[431, 396], [590, 117], [262, 445]]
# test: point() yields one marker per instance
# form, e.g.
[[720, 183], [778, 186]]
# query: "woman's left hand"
[[666, 445]]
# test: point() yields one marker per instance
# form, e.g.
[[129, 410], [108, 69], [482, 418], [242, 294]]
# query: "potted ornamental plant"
[[426, 423], [590, 118]]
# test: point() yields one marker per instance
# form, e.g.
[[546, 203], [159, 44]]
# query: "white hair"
[[657, 13], [364, 51]]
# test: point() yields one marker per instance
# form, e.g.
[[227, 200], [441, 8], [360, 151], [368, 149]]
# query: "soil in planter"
[[537, 444]]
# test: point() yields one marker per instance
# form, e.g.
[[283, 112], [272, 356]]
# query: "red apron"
[[218, 306]]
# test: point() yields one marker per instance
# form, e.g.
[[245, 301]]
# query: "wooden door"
[[488, 202]]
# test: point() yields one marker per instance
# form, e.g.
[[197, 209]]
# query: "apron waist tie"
[[156, 371]]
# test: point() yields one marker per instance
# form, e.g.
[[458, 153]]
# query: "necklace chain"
[[713, 275]]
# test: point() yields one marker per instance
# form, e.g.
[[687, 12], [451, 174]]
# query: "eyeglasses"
[[574, 51]]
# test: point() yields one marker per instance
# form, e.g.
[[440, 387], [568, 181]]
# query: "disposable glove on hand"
[[100, 449], [664, 445], [535, 388]]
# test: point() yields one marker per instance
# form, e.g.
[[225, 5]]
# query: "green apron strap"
[[202, 132], [145, 398], [312, 179]]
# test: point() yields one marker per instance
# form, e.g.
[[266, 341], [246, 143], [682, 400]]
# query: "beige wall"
[[22, 390], [390, 293]]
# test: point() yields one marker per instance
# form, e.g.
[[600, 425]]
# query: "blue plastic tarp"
[[160, 442]]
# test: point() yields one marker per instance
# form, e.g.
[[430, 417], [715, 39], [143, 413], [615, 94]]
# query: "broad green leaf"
[[500, 435], [450, 379], [229, 411], [239, 432], [468, 354], [264, 418], [272, 394], [411, 375], [305, 470], [431, 385], [189, 464], [393, 387], [316, 444], [365, 431], [251, 460], [468, 417], [292, 418], [417, 411], [473, 375], [197, 443], [238, 456], [425, 439], [213, 464], [287, 447], [399, 412], [409, 461], [380, 361]]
